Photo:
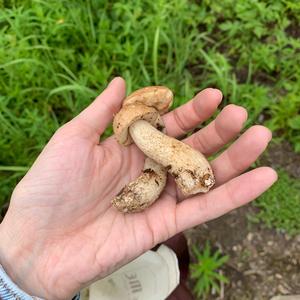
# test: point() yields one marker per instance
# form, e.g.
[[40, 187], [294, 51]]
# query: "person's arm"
[[10, 291]]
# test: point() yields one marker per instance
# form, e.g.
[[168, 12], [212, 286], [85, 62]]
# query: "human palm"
[[61, 230]]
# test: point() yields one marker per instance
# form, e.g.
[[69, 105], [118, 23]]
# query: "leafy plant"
[[285, 114], [205, 271], [280, 206], [56, 56]]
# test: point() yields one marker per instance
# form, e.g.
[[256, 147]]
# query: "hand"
[[61, 232]]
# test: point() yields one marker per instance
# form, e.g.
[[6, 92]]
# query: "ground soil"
[[282, 156], [263, 262]]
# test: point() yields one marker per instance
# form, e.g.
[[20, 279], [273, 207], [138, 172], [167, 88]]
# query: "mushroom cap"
[[159, 97], [131, 113]]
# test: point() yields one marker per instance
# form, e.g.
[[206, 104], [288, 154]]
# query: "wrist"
[[9, 290], [15, 257], [19, 258]]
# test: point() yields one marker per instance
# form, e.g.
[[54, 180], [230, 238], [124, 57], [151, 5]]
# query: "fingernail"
[[111, 81], [114, 79]]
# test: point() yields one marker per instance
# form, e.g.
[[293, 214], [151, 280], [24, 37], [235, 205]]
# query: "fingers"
[[233, 194], [219, 132], [241, 154], [100, 112], [191, 114]]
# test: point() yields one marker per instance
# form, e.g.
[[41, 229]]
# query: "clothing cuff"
[[10, 291]]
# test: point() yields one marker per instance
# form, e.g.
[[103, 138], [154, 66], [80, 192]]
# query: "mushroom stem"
[[189, 167], [143, 191]]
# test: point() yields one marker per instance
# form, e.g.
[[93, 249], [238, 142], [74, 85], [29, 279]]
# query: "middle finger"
[[219, 132]]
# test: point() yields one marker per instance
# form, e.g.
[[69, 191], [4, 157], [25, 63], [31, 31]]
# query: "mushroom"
[[139, 120], [144, 104]]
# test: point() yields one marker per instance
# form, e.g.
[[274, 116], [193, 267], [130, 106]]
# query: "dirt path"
[[263, 263]]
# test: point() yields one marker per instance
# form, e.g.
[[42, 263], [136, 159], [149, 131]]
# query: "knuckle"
[[179, 119], [199, 143]]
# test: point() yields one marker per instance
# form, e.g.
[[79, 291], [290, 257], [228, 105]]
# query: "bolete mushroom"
[[139, 120], [144, 104]]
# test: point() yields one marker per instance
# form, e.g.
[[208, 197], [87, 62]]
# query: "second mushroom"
[[140, 121]]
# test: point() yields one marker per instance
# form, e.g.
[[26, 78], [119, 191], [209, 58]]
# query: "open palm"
[[61, 230]]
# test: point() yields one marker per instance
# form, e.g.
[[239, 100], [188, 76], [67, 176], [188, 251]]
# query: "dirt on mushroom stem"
[[189, 167], [143, 191]]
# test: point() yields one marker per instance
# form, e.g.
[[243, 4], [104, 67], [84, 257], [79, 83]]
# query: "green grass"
[[206, 271], [280, 206], [56, 56]]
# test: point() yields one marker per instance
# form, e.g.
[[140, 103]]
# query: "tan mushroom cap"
[[159, 97], [144, 104], [130, 114]]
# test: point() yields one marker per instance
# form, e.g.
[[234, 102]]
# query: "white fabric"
[[152, 276]]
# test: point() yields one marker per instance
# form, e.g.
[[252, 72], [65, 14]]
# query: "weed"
[[280, 206], [286, 114], [206, 272], [56, 56]]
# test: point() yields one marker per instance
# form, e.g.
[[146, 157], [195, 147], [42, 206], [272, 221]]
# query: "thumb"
[[101, 111]]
